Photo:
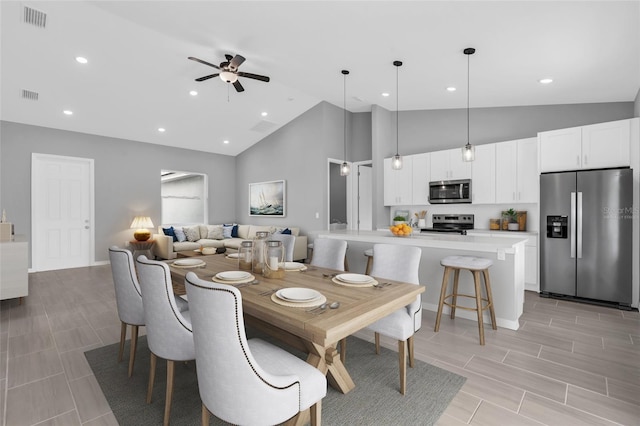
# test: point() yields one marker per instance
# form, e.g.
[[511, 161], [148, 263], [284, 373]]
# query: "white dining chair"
[[329, 253], [169, 332], [288, 242], [128, 299], [399, 263], [245, 382]]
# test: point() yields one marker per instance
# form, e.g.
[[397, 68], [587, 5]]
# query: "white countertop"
[[481, 243]]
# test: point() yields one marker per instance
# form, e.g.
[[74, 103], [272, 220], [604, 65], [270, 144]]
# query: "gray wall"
[[636, 105], [359, 142], [183, 200], [127, 178], [338, 201]]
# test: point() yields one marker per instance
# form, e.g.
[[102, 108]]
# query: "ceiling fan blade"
[[229, 57], [236, 62], [238, 86], [207, 77], [203, 62], [254, 76]]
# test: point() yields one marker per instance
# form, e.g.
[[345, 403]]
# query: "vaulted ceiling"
[[138, 78]]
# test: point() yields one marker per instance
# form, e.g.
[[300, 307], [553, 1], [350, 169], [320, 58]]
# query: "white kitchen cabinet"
[[14, 264], [483, 175], [517, 171], [421, 176], [448, 165], [398, 184], [595, 146]]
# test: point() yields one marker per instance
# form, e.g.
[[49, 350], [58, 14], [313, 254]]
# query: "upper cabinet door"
[[606, 145], [560, 150], [459, 169], [506, 174], [421, 176], [528, 177], [398, 187], [483, 175], [440, 165]]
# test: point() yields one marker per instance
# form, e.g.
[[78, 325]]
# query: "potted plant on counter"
[[513, 220], [399, 219]]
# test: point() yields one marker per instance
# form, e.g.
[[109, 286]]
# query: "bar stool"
[[369, 254], [475, 265]]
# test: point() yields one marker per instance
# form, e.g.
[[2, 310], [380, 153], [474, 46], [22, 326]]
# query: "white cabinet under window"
[[448, 165], [517, 171], [483, 175], [398, 184], [595, 146], [421, 176]]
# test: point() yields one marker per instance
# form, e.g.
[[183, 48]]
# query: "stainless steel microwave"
[[450, 191]]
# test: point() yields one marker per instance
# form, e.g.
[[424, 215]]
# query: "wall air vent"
[[263, 126], [29, 94], [35, 17]]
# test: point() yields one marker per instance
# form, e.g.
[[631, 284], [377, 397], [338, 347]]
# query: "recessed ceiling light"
[[81, 59], [161, 129], [226, 142], [67, 112], [193, 93], [451, 89], [385, 94], [264, 114], [545, 80]]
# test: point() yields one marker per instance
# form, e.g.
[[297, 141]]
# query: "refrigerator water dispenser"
[[557, 226]]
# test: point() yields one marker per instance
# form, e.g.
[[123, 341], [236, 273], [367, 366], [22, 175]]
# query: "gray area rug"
[[374, 401]]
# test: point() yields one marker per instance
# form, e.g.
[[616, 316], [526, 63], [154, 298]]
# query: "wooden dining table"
[[317, 332]]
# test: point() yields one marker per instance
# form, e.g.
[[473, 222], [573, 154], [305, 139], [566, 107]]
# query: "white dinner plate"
[[354, 278], [233, 275], [297, 294], [293, 266], [188, 262]]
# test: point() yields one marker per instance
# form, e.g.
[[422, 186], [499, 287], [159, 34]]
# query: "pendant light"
[[345, 169], [396, 162], [468, 151]]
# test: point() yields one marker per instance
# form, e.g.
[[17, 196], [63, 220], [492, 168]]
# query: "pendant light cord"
[[468, 72], [397, 106], [344, 92]]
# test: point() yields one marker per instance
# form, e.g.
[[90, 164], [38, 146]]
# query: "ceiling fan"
[[229, 71]]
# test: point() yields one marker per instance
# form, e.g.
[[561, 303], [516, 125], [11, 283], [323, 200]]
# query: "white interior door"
[[62, 215], [364, 196]]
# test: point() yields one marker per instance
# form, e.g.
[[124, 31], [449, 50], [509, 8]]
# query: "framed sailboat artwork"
[[267, 198]]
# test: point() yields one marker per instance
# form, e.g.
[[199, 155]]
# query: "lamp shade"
[[141, 225]]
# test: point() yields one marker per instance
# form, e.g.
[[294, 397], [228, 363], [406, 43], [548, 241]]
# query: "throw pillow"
[[170, 232], [192, 233], [226, 231], [286, 231], [234, 231], [181, 237], [214, 232]]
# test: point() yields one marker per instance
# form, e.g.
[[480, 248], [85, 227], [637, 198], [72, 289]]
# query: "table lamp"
[[140, 224]]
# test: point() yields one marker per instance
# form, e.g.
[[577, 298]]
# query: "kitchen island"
[[507, 272]]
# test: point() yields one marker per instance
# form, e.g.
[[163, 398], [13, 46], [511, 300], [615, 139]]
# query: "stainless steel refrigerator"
[[585, 235]]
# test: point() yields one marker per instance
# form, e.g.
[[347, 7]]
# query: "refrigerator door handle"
[[572, 228], [579, 219]]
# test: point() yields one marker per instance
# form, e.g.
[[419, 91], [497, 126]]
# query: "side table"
[[142, 247]]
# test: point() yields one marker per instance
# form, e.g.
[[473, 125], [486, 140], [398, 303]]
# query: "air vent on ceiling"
[[263, 126], [29, 94], [35, 17]]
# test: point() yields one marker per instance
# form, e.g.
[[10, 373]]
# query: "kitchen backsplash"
[[482, 212]]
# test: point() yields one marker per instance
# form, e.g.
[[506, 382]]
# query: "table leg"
[[331, 365]]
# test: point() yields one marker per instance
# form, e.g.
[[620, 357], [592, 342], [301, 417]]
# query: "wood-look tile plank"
[[76, 338], [463, 406], [621, 325], [66, 321], [38, 401], [111, 334], [444, 354], [89, 398], [29, 324], [3, 365], [497, 392], [75, 363], [104, 319], [518, 378], [552, 370], [3, 391], [589, 329], [618, 355], [106, 420], [69, 418], [492, 415], [603, 406], [509, 339], [550, 412], [447, 420], [468, 345], [566, 335], [624, 391], [28, 343], [34, 366], [566, 312], [587, 309], [4, 336]]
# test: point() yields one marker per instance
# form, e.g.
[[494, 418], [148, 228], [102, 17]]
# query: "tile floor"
[[569, 364]]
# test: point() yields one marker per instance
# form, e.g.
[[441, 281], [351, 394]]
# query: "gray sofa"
[[212, 236]]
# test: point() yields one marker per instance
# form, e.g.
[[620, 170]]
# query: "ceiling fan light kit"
[[396, 162], [345, 169], [229, 71], [468, 151]]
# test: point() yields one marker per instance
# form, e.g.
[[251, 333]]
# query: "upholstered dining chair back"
[[125, 280], [400, 263], [288, 241], [329, 253], [247, 382], [169, 332]]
